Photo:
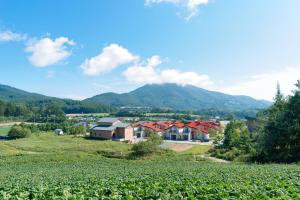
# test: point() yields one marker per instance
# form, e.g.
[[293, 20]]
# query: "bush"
[[144, 148], [76, 130], [19, 132]]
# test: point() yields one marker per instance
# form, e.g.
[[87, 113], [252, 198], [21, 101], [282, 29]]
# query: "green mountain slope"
[[179, 98], [8, 93], [11, 94]]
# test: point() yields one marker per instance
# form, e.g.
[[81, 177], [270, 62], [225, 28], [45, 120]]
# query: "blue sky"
[[77, 49]]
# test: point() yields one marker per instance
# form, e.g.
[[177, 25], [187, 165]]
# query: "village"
[[113, 128]]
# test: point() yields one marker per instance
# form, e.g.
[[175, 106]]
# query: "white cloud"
[[263, 86], [147, 73], [9, 36], [192, 6], [47, 52], [111, 57]]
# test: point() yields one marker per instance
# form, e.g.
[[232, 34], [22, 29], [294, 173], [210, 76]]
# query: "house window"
[[186, 130], [174, 130]]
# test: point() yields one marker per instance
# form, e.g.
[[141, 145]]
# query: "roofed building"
[[112, 129], [194, 130]]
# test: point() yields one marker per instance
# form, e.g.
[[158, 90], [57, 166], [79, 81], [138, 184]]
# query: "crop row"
[[120, 179]]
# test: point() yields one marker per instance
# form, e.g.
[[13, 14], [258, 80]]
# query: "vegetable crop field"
[[94, 177]]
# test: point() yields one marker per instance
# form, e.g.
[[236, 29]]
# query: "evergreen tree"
[[279, 139]]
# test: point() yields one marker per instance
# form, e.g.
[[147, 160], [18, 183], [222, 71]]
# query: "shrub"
[[76, 130], [19, 132], [144, 148]]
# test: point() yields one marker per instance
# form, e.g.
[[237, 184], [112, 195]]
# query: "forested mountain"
[[165, 96], [179, 98], [33, 100], [8, 93]]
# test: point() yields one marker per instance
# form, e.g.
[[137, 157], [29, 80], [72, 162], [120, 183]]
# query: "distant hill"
[[166, 96], [8, 93], [177, 97], [11, 94]]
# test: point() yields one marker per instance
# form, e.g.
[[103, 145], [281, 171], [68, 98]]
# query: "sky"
[[78, 49]]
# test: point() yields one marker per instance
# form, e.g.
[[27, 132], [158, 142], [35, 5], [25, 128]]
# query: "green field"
[[4, 130], [90, 114], [198, 149], [46, 166], [49, 143]]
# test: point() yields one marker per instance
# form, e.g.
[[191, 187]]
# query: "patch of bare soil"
[[9, 124], [180, 147]]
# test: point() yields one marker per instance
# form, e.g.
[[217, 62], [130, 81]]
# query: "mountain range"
[[167, 96], [173, 96]]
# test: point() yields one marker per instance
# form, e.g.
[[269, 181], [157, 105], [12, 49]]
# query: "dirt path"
[[214, 159], [13, 123], [8, 124]]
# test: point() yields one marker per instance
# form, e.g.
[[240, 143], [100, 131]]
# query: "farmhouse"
[[143, 129], [112, 129], [194, 130]]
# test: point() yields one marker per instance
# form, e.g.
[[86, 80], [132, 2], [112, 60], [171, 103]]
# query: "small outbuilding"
[[112, 129], [58, 131]]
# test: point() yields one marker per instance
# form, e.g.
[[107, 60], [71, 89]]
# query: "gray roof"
[[101, 128], [122, 125], [108, 119], [111, 128]]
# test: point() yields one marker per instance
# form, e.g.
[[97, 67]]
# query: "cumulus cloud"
[[263, 86], [111, 57], [45, 52], [9, 36], [148, 73], [192, 6]]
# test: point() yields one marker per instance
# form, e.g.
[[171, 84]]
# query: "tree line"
[[25, 130], [274, 138], [48, 110]]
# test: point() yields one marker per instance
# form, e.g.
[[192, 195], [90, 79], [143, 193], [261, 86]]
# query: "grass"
[[4, 130], [49, 143], [198, 149]]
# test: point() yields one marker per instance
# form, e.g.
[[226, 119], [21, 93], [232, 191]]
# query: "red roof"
[[202, 126]]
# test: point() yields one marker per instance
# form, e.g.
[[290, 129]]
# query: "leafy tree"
[[50, 113], [237, 142], [76, 130], [213, 133], [19, 132], [2, 108], [236, 135], [218, 140], [144, 148]]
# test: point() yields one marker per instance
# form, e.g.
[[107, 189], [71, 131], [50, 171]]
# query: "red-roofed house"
[[143, 129], [195, 130]]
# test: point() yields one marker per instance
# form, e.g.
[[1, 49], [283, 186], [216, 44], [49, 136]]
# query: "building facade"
[[112, 129], [195, 130]]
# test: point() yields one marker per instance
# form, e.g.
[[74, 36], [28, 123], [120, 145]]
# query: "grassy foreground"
[[46, 166], [48, 143]]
